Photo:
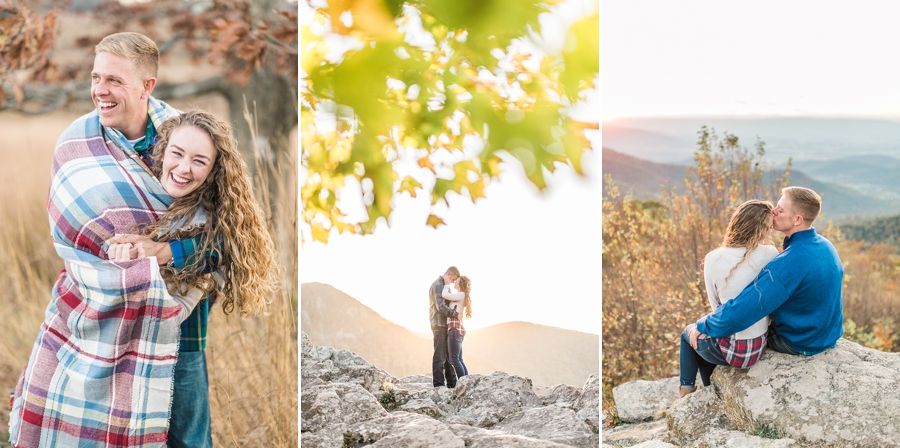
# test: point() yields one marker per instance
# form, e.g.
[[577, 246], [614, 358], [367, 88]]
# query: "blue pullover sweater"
[[800, 290]]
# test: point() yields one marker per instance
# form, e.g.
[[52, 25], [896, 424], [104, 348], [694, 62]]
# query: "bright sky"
[[531, 256], [750, 58]]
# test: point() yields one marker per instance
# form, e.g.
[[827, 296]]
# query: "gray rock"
[[553, 423], [737, 439], [845, 396], [587, 407], [322, 439], [421, 379], [654, 444], [627, 435], [404, 430], [560, 395], [494, 397], [342, 398], [638, 401], [425, 407], [488, 438], [337, 405], [689, 418], [320, 365]]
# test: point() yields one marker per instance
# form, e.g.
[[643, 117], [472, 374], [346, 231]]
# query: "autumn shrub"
[[871, 284]]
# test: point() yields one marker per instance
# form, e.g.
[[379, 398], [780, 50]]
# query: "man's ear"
[[148, 85], [799, 221]]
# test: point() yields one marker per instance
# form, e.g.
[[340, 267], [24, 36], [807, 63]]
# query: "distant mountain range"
[[885, 230], [547, 355], [673, 140], [643, 178]]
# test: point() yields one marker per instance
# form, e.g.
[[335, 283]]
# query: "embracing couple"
[[152, 211], [448, 300], [790, 302]]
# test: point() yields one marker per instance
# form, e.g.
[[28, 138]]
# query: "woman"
[[745, 250], [101, 370], [197, 162], [462, 303]]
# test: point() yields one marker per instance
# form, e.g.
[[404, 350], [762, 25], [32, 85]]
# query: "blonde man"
[[103, 366], [800, 289]]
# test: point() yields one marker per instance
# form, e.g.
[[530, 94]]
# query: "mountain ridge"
[[548, 355], [642, 178]]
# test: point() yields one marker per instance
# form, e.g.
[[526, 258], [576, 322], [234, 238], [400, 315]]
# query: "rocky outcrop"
[[347, 402], [840, 398]]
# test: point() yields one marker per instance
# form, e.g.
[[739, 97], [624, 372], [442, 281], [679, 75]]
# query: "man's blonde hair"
[[806, 203], [140, 49], [452, 270]]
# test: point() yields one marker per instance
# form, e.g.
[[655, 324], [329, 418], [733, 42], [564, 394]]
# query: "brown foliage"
[[25, 42], [235, 35], [871, 293]]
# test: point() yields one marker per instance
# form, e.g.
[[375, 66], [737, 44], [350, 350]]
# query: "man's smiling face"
[[119, 95]]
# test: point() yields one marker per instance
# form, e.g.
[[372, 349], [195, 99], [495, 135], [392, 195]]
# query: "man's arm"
[[762, 296], [438, 298]]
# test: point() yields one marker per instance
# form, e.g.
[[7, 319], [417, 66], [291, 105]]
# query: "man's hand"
[[122, 252], [160, 250], [694, 334]]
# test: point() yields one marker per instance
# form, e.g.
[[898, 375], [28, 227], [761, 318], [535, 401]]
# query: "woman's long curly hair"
[[465, 285], [235, 237], [749, 227]]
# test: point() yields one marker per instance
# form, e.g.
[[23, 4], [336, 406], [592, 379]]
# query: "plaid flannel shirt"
[[742, 353], [194, 328], [453, 322], [438, 311]]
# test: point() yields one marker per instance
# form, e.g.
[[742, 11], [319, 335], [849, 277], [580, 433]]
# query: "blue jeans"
[[440, 362], [454, 348], [775, 342], [189, 425], [705, 359]]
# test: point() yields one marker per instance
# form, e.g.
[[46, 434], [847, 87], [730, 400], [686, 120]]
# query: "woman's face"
[[770, 223], [188, 160]]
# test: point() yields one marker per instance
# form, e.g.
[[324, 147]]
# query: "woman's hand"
[[122, 252], [694, 334], [160, 250]]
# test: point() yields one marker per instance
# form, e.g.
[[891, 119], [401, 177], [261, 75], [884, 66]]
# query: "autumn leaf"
[[434, 221], [425, 162], [409, 185], [319, 233]]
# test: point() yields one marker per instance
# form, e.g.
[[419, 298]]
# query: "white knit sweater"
[[716, 268], [457, 300]]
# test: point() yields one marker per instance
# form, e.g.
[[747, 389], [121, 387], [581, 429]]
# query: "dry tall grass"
[[253, 363]]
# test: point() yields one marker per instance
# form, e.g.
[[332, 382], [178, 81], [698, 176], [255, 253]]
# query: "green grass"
[[765, 431]]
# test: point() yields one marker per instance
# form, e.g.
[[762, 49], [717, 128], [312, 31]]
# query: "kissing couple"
[[448, 300]]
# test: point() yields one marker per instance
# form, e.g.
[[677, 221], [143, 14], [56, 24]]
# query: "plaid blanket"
[[100, 372]]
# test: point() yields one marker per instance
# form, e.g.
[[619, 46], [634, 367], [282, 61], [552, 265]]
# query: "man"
[[101, 161], [800, 289], [441, 369]]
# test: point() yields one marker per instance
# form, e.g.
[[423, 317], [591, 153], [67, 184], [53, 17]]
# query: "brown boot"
[[686, 390]]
